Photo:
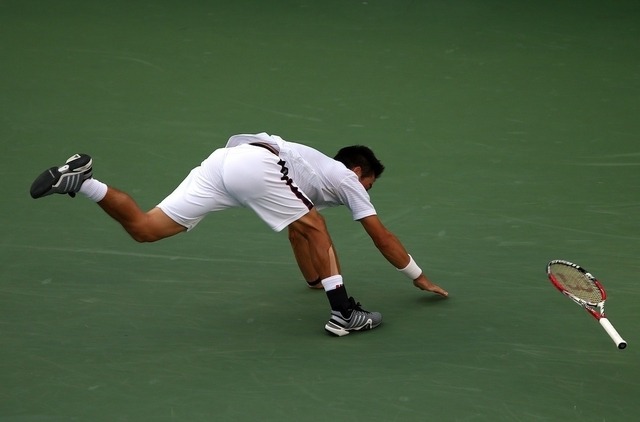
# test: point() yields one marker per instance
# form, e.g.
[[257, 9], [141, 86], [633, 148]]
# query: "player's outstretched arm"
[[393, 250]]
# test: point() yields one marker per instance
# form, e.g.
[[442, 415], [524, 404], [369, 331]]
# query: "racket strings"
[[577, 283]]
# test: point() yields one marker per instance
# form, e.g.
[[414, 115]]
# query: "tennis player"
[[285, 184]]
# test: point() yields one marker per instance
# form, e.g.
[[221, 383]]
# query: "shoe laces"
[[355, 306]]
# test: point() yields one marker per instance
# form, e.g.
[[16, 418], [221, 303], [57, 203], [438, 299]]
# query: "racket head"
[[576, 282]]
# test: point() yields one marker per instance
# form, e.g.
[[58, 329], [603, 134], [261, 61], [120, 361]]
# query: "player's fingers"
[[431, 287]]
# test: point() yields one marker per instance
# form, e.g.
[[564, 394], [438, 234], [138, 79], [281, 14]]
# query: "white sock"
[[93, 189], [332, 283]]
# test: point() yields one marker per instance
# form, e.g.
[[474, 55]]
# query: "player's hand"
[[423, 283]]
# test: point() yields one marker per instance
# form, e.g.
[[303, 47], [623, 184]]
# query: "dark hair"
[[360, 156]]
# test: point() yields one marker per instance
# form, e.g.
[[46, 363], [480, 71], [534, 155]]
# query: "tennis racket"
[[583, 288]]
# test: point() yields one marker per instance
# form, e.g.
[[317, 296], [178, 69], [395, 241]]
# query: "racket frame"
[[596, 309]]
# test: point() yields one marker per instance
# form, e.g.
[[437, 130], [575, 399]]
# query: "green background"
[[509, 130]]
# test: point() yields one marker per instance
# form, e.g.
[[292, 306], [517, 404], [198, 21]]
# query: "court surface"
[[510, 135]]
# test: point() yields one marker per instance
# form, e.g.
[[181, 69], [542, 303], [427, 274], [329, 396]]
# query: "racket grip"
[[617, 339]]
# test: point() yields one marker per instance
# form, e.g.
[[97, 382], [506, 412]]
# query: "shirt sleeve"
[[355, 197]]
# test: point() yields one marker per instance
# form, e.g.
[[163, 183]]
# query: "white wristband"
[[411, 270]]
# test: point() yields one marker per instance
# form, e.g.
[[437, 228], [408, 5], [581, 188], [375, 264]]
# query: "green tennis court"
[[510, 135]]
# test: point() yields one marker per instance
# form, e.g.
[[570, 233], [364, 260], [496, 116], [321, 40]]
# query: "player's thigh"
[[312, 219], [161, 225]]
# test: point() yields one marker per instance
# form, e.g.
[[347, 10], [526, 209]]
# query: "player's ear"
[[358, 171]]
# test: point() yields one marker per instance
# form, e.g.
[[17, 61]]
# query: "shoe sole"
[[43, 183], [51, 178], [338, 331]]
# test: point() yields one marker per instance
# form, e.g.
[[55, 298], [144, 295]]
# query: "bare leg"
[[319, 252], [142, 226], [302, 253], [312, 247]]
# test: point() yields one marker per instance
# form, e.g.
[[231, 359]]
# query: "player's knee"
[[295, 236], [143, 234], [153, 227], [143, 237]]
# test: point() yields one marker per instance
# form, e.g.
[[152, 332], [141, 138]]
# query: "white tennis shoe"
[[358, 320]]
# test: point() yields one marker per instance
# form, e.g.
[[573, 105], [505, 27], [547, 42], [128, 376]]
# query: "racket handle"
[[617, 339]]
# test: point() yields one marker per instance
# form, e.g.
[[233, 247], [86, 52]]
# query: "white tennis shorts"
[[244, 176]]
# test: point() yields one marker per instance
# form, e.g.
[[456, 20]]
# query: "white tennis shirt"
[[325, 181]]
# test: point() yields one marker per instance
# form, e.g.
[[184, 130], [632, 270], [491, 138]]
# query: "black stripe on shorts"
[[285, 176]]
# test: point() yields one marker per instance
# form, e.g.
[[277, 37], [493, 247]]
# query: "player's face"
[[367, 181]]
